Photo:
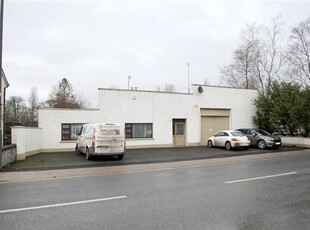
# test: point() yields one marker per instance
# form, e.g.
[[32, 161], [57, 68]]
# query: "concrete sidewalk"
[[70, 160]]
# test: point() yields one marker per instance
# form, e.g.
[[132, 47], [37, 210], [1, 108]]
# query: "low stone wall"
[[296, 141], [8, 154]]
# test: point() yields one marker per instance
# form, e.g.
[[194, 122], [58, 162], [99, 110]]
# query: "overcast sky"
[[98, 44]]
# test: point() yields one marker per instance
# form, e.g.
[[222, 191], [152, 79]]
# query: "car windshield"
[[262, 132], [237, 134]]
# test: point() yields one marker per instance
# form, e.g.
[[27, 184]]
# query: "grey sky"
[[98, 44]]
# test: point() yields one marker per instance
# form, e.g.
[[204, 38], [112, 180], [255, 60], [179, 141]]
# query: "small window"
[[68, 131], [220, 134], [139, 130]]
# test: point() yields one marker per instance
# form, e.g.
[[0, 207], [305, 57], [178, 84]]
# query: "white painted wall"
[[147, 107], [296, 141], [28, 141], [50, 121], [159, 108], [239, 101], [4, 85]]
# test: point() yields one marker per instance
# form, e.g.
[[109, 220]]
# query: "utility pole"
[[188, 81], [1, 96]]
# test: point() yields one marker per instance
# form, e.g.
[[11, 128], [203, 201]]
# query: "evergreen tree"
[[62, 96]]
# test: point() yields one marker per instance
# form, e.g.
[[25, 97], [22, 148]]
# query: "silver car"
[[261, 138]]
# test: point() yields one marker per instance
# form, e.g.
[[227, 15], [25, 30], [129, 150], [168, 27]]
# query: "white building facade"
[[152, 119], [4, 85]]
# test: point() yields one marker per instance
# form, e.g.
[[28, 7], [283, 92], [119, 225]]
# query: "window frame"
[[129, 131], [69, 130]]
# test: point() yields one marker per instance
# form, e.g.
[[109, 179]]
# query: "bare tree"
[[240, 73], [272, 58], [33, 107], [169, 88], [82, 101], [258, 60], [16, 110], [299, 53]]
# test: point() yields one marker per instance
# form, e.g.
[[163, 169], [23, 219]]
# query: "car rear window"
[[237, 134]]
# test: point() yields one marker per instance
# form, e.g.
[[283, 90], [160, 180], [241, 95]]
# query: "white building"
[[152, 119], [4, 85]]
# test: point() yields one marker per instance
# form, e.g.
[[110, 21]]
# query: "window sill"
[[68, 141], [139, 139]]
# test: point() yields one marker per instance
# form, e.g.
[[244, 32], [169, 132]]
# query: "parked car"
[[229, 139], [261, 138]]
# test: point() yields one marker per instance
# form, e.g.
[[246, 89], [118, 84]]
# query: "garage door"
[[212, 123]]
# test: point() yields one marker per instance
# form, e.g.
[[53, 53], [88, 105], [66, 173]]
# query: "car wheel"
[[228, 145], [119, 157], [87, 155], [210, 145], [77, 151], [261, 144], [245, 148]]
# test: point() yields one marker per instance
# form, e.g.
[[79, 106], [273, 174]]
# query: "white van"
[[101, 139]]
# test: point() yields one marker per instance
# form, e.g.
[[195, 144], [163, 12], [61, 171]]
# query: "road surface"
[[267, 193]]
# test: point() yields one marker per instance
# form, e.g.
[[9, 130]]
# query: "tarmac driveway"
[[67, 160]]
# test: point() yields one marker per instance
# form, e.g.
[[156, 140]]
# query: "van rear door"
[[110, 139]]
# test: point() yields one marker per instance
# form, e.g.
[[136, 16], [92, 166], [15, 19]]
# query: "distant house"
[[4, 85], [152, 118]]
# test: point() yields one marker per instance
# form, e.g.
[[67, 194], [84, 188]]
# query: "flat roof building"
[[151, 118]]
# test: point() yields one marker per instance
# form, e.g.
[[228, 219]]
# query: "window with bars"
[[139, 130], [68, 131]]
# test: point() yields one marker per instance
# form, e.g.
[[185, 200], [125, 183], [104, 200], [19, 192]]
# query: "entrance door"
[[179, 133]]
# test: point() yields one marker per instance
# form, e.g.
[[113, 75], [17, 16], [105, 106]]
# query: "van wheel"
[[119, 157], [87, 155]]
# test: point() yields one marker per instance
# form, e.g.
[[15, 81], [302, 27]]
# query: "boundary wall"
[[8, 155], [27, 140], [303, 142]]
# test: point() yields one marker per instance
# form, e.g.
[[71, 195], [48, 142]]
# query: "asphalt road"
[[273, 194], [65, 160]]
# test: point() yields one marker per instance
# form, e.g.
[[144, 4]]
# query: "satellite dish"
[[200, 89]]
